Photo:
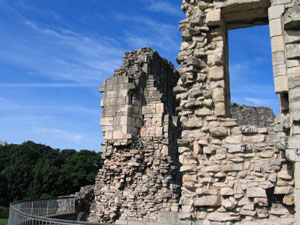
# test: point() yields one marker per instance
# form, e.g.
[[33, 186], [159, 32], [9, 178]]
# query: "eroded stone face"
[[232, 172], [243, 168], [140, 175]]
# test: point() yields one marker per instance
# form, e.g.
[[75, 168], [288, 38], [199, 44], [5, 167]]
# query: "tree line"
[[34, 171]]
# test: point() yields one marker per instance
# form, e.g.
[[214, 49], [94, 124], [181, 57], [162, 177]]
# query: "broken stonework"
[[241, 165], [250, 115], [140, 175], [206, 167]]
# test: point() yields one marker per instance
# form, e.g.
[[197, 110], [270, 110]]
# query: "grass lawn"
[[3, 221]]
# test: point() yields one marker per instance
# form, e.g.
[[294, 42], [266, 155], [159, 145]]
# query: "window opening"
[[251, 75]]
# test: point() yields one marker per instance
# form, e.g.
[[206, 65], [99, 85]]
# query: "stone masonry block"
[[213, 17], [218, 95], [280, 84], [168, 217], [278, 58], [277, 44], [220, 109], [280, 2], [216, 73], [279, 70], [293, 72], [275, 12], [160, 108], [275, 27], [293, 51]]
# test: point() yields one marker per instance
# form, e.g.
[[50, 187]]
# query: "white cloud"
[[147, 32], [60, 134], [46, 85], [62, 54], [163, 7]]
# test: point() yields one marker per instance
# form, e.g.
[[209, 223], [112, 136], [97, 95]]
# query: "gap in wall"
[[250, 67]]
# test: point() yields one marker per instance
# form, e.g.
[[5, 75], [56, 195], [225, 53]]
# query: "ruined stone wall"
[[250, 115], [140, 175], [231, 173]]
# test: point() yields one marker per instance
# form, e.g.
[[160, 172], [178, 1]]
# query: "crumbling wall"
[[231, 173], [250, 115], [140, 175]]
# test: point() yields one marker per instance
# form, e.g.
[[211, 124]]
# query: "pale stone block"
[[108, 135], [281, 84], [234, 139], [293, 51], [157, 122], [293, 72], [117, 135], [216, 73], [278, 58], [227, 191], [219, 132], [203, 112], [277, 44], [220, 109], [279, 70], [283, 190], [292, 63], [165, 150], [167, 217], [218, 95], [275, 11], [256, 192], [213, 17], [275, 27], [215, 59], [223, 217], [209, 200], [255, 138], [292, 36], [280, 2], [160, 108]]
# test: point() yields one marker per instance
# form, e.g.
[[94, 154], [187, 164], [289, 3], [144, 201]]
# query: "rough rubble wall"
[[140, 175], [250, 115], [232, 173]]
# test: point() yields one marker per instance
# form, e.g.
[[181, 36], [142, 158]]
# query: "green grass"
[[3, 221]]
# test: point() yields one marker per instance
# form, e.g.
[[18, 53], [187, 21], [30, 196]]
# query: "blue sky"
[[54, 55]]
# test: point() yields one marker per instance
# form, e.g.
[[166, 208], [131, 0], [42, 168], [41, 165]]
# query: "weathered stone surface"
[[232, 168], [256, 192], [209, 200]]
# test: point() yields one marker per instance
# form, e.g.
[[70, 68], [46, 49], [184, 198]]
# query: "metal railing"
[[37, 212]]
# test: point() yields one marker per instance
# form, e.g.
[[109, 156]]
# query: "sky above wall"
[[55, 54]]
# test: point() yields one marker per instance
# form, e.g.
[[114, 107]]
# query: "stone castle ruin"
[[178, 152]]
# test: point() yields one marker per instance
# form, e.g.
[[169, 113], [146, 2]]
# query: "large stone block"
[[279, 70], [256, 192], [277, 44], [275, 27], [276, 11], [293, 51], [209, 200], [216, 73], [281, 84], [213, 17], [278, 58]]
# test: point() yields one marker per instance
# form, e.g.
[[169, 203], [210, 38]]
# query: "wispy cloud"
[[62, 54], [46, 85], [60, 134], [162, 7], [148, 32]]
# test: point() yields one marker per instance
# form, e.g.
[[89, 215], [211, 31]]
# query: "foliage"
[[33, 171], [4, 211]]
